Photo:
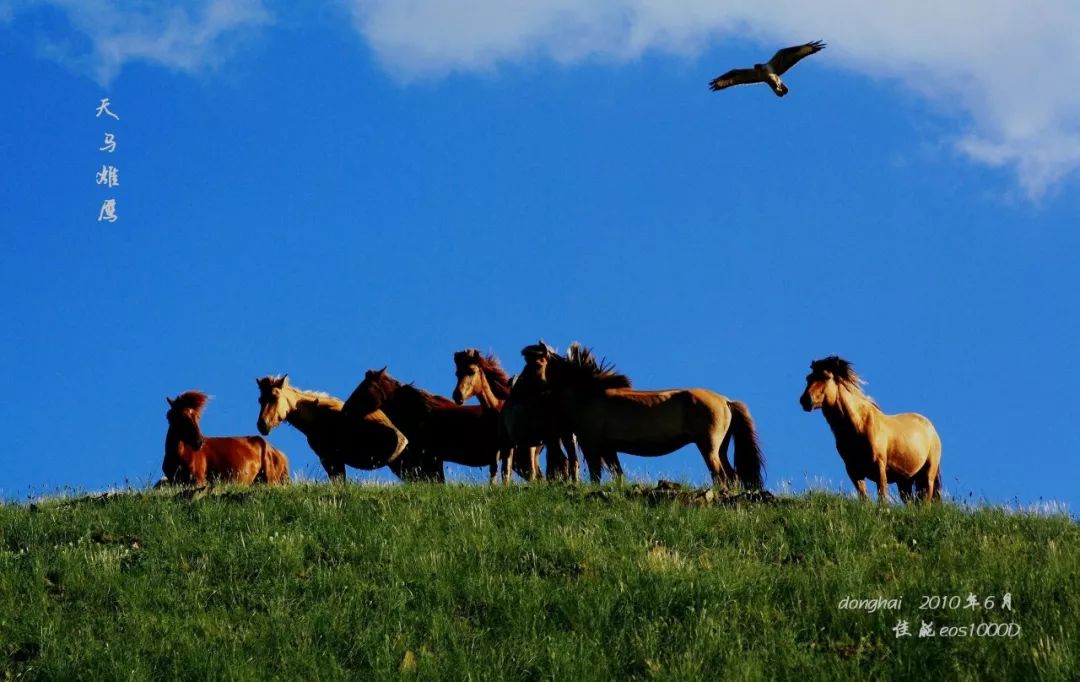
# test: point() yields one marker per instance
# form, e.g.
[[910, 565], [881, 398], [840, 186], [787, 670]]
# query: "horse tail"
[[749, 460], [937, 465], [275, 465]]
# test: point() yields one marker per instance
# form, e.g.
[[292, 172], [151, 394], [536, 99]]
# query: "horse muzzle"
[[197, 445], [262, 427], [807, 404], [458, 398]]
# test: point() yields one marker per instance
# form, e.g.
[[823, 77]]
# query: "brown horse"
[[482, 376], [608, 417], [368, 443], [900, 448], [190, 458], [438, 430], [531, 418]]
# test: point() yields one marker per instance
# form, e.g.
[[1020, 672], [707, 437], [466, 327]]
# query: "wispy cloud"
[[185, 36], [1006, 68]]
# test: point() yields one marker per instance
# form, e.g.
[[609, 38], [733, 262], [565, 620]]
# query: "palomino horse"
[[438, 430], [608, 417], [482, 376], [191, 458], [898, 448], [368, 443]]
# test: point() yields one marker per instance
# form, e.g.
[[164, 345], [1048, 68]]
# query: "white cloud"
[[186, 36], [1008, 68]]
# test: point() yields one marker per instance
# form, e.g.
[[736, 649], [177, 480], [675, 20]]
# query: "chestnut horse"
[[191, 458], [607, 416], [369, 443], [482, 376], [899, 448], [438, 430]]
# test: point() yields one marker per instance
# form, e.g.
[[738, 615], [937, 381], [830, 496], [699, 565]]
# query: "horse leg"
[[556, 459], [857, 481], [573, 465], [882, 482], [536, 473], [614, 466], [933, 480], [507, 455], [335, 471], [593, 460], [925, 482], [710, 451], [905, 490], [433, 470], [729, 470]]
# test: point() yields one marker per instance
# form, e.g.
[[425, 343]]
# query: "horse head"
[[823, 382], [537, 357], [376, 388], [184, 413], [274, 405], [469, 373]]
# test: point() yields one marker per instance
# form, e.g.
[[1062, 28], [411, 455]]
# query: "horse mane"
[[497, 377], [581, 367], [844, 373], [315, 396], [195, 400], [412, 394], [430, 399]]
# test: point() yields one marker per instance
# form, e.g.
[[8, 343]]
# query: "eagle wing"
[[736, 77], [789, 56]]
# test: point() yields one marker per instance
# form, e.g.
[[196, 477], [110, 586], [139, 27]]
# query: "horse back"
[[647, 422], [233, 458]]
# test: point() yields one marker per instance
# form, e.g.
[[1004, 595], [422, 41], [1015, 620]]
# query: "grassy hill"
[[530, 582]]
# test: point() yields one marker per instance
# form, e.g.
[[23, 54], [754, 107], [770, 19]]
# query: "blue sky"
[[325, 191]]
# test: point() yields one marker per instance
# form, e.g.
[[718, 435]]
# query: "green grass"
[[530, 582]]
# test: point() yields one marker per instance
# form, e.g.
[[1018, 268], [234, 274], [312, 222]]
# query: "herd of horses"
[[557, 402]]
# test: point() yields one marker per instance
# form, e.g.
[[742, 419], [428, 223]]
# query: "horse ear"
[[382, 372], [284, 380], [169, 400]]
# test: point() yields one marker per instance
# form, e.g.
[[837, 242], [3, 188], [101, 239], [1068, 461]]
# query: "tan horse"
[[482, 377], [898, 448], [190, 458], [609, 417], [368, 443]]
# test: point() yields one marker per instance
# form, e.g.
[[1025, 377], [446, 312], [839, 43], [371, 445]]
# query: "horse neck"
[[174, 447], [486, 395], [407, 407], [851, 411]]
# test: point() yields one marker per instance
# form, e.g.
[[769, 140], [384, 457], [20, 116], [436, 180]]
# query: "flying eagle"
[[769, 72]]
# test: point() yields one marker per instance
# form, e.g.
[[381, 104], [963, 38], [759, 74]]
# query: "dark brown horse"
[[608, 416], [368, 443], [886, 448], [482, 377], [438, 430], [531, 417], [191, 458]]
